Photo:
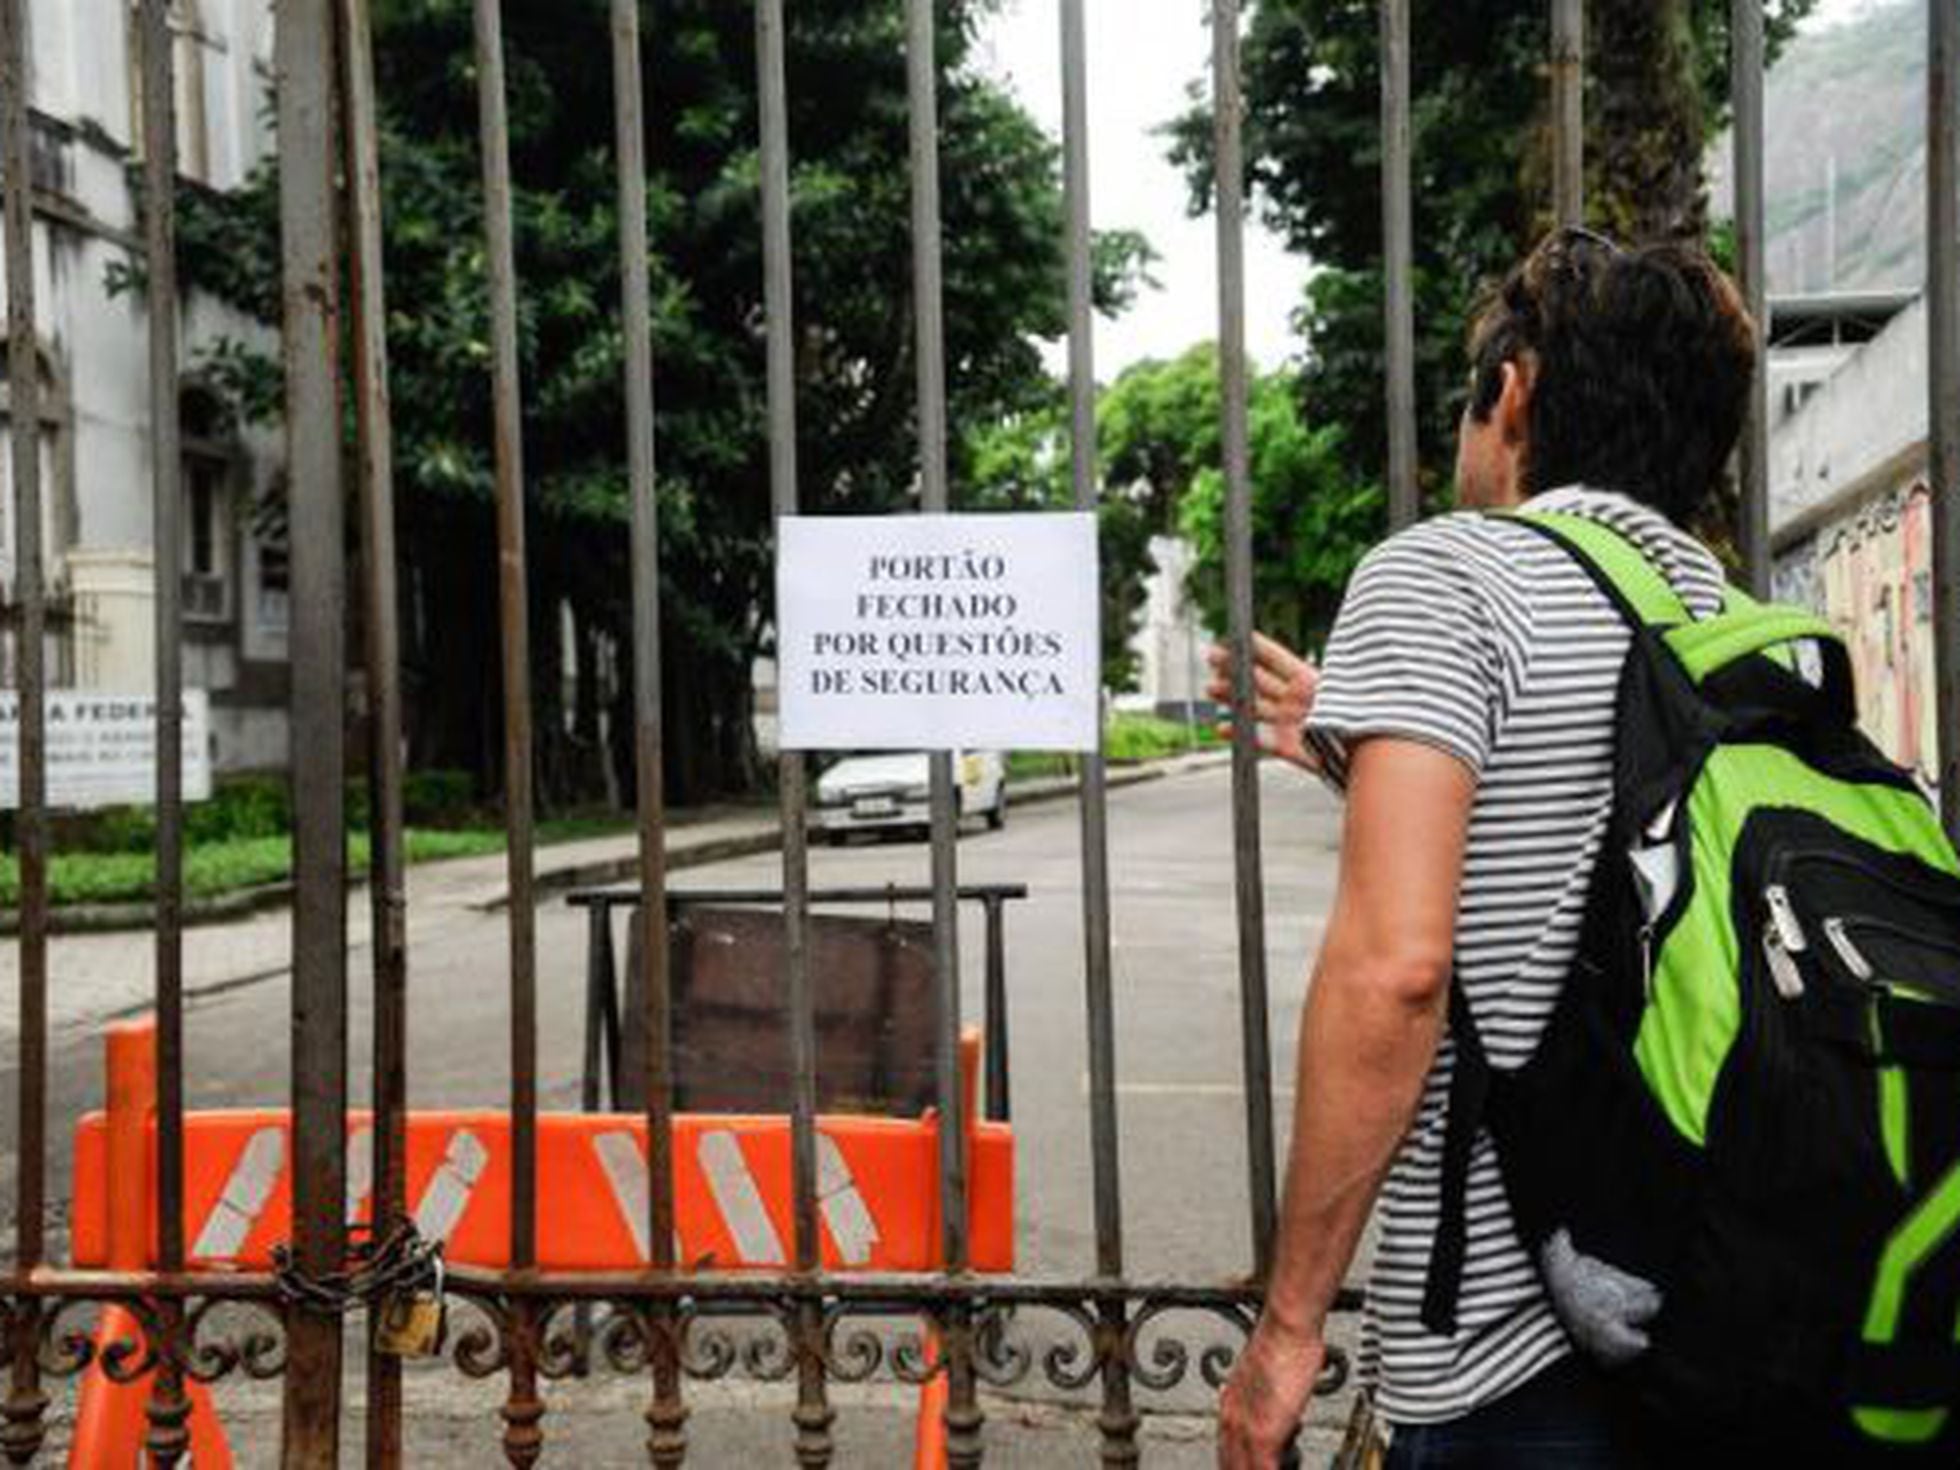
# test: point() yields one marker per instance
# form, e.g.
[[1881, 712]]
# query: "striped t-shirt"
[[1482, 638]]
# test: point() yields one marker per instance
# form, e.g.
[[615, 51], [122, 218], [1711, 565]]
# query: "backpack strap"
[[1631, 582], [1463, 1118], [1644, 598]]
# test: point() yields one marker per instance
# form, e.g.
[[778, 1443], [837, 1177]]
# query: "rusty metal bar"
[[515, 611], [160, 245], [928, 307], [1568, 111], [814, 1415], [1118, 1421], [878, 893], [955, 1325], [601, 1040], [26, 1401], [387, 858], [1255, 1022], [1943, 357], [666, 1416], [523, 1409], [169, 1408], [1752, 479], [1398, 268], [308, 172], [1000, 1097]]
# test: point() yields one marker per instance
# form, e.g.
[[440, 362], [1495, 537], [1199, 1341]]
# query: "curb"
[[603, 871], [102, 918]]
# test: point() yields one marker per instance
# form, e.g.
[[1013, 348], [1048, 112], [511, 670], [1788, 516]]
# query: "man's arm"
[[1373, 1021]]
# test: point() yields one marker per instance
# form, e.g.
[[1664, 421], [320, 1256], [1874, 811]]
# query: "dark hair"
[[1642, 361]]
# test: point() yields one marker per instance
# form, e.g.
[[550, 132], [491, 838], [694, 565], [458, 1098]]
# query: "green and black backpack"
[[1748, 1096]]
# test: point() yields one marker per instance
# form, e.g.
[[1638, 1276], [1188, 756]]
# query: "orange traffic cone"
[[113, 1418]]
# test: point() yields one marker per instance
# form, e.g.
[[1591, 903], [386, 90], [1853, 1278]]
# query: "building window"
[[207, 473], [189, 41], [275, 575], [47, 463]]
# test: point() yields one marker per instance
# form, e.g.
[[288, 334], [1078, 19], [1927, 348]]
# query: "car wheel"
[[997, 813]]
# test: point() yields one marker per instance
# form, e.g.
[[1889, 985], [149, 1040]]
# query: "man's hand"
[[1283, 687], [1266, 1397]]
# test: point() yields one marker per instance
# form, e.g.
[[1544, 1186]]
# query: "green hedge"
[[245, 808]]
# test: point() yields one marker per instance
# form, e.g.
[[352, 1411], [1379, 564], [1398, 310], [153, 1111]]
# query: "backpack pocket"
[[1836, 1135]]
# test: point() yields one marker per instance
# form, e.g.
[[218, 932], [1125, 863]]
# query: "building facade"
[[1852, 525], [92, 330]]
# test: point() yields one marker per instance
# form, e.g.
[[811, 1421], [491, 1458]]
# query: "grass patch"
[[1127, 738], [234, 864], [1136, 737]]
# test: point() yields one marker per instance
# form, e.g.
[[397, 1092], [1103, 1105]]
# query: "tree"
[[1656, 89], [846, 63], [1158, 438]]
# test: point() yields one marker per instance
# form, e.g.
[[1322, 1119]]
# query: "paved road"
[[1176, 993]]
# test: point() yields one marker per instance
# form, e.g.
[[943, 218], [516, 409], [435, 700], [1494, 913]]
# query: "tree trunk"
[[1645, 133]]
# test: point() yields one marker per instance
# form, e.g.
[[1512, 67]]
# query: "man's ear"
[[1513, 410]]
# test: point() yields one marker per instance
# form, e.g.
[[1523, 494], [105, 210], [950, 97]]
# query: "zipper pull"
[[1854, 960], [1647, 961], [1783, 915], [1783, 972]]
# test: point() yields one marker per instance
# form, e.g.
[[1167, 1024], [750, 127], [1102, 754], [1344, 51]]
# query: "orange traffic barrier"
[[877, 1186], [112, 1418]]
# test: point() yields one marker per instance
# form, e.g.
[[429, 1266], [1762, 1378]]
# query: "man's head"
[[1623, 370]]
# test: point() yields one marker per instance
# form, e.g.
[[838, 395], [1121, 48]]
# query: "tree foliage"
[[1657, 84], [1158, 438], [856, 443]]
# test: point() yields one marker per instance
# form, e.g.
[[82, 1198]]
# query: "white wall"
[[81, 77], [1871, 408]]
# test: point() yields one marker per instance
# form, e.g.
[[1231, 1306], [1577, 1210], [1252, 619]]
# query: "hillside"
[[1847, 104]]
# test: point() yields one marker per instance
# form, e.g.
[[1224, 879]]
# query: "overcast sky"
[[1143, 56]]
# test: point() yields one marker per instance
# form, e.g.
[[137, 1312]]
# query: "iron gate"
[[661, 1321]]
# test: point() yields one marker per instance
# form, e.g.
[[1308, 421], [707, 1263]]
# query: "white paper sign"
[[102, 748], [939, 632]]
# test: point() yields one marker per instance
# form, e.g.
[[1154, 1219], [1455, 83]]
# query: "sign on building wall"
[[939, 632], [102, 748]]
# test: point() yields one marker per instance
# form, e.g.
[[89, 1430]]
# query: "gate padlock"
[[412, 1323]]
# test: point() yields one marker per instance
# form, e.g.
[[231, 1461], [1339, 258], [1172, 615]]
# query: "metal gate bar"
[[523, 1409], [1229, 166], [26, 1403], [1752, 460], [387, 879], [1569, 111], [814, 1415], [309, 219], [1943, 380], [169, 1407], [1404, 500], [665, 1414], [963, 1417], [1118, 1421]]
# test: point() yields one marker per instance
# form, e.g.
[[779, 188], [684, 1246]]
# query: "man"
[[1466, 709]]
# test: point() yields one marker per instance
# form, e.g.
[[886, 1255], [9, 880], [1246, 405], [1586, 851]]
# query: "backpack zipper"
[[1853, 957], [1783, 918]]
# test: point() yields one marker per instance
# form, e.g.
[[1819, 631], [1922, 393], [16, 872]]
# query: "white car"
[[876, 793]]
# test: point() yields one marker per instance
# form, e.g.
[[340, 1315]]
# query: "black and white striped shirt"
[[1481, 637]]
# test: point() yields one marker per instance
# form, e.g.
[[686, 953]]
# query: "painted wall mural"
[[1871, 574]]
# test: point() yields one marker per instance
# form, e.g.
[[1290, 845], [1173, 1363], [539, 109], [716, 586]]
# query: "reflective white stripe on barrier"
[[252, 1179], [360, 1170], [625, 1168], [739, 1200], [449, 1188], [844, 1210]]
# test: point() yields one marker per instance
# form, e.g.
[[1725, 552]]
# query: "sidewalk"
[[98, 975]]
